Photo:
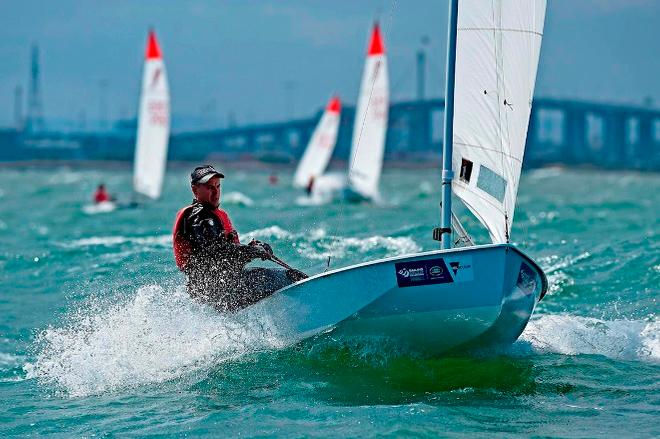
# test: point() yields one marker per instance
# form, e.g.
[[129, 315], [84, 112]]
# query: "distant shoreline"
[[248, 164], [179, 164]]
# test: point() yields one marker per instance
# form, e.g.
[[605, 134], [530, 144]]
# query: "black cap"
[[202, 174]]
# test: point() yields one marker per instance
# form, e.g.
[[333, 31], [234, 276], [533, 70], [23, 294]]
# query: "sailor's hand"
[[262, 245], [233, 236], [260, 250]]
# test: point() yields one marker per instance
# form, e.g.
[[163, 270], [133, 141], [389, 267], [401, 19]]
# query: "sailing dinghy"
[[481, 295], [153, 124], [152, 133], [319, 150], [370, 126]]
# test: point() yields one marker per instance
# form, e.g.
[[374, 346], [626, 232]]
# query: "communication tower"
[[35, 116]]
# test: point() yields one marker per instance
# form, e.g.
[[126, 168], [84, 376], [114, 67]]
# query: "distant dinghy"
[[370, 126], [321, 145], [102, 207], [153, 124], [478, 295]]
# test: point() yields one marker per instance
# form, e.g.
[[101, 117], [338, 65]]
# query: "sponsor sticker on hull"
[[434, 271], [424, 272], [461, 268]]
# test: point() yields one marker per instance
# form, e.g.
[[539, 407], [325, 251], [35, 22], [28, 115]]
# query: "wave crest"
[[573, 335]]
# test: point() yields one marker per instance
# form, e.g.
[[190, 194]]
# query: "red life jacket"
[[101, 196], [181, 245]]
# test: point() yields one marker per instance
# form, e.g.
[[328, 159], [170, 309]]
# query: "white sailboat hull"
[[428, 303]]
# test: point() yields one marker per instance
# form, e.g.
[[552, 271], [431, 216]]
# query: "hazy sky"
[[243, 56]]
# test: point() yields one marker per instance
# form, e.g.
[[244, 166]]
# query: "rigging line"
[[402, 78]]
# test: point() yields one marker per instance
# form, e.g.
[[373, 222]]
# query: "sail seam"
[[488, 29], [489, 149]]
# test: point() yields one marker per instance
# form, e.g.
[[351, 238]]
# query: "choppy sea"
[[98, 337]]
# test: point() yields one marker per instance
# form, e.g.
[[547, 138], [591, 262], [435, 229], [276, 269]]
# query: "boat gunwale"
[[505, 246]]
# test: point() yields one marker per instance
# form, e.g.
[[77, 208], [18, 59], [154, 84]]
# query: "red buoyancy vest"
[[101, 196], [182, 246]]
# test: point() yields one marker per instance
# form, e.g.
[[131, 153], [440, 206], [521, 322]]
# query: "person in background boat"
[[101, 195], [208, 250], [310, 186]]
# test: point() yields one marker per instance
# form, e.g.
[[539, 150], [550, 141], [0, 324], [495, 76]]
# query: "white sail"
[[320, 147], [370, 125], [153, 124], [497, 53]]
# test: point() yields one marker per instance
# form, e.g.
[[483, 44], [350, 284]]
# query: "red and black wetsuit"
[[208, 250]]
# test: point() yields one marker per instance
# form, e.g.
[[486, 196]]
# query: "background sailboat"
[[153, 124], [319, 150], [152, 133], [370, 126]]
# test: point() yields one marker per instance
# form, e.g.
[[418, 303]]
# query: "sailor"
[[101, 195], [310, 186], [208, 250]]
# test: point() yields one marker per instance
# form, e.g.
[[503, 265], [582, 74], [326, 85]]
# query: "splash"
[[155, 336], [573, 335]]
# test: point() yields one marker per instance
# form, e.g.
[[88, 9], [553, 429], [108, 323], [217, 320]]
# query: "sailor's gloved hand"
[[262, 250], [232, 236]]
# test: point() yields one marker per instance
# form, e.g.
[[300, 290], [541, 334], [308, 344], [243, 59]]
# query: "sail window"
[[491, 183], [466, 170]]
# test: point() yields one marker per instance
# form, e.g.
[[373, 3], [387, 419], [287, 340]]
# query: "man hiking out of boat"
[[208, 250]]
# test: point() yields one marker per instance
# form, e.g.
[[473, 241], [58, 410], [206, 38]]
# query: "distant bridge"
[[561, 131]]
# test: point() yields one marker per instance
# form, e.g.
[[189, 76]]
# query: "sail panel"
[[319, 150], [153, 127], [497, 52], [370, 126]]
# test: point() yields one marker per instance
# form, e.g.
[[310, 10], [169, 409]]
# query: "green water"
[[98, 337]]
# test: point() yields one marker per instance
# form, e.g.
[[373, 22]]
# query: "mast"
[[447, 146]]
